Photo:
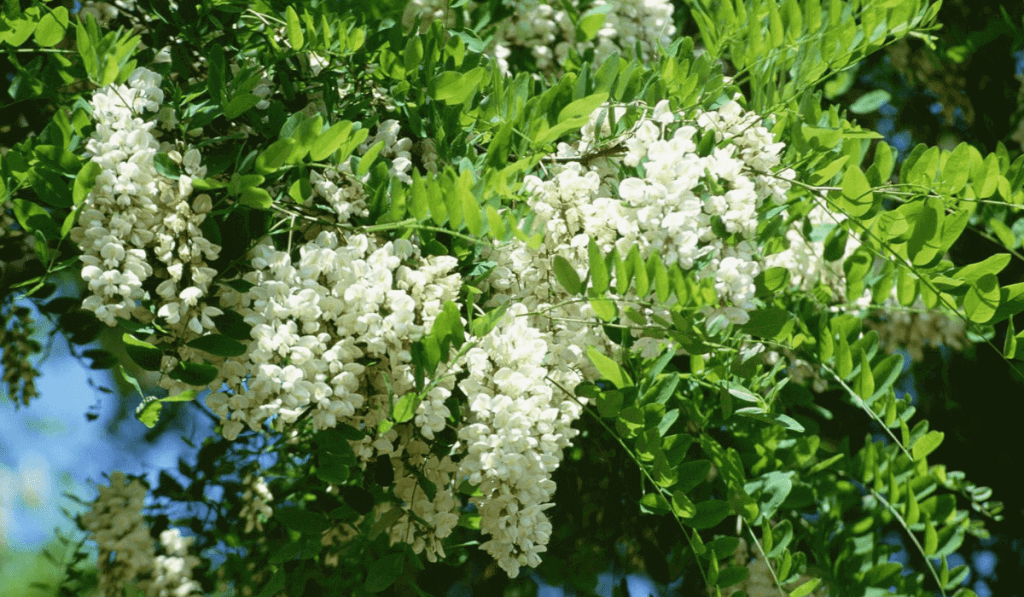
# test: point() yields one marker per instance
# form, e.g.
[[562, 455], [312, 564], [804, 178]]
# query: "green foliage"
[[725, 442]]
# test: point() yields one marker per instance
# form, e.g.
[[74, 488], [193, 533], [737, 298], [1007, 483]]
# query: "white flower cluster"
[[116, 524], [804, 258], [798, 370], [320, 320], [104, 12], [137, 223], [397, 149], [546, 30], [426, 520], [519, 422], [915, 329], [255, 503], [683, 207], [172, 572], [427, 11]]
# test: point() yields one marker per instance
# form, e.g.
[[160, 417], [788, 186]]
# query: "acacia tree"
[[425, 265]]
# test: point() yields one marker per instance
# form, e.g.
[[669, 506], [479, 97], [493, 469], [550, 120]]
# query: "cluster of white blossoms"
[[255, 503], [137, 223], [700, 212], [426, 520], [115, 521], [519, 421], [547, 30], [915, 329], [397, 149], [319, 322], [804, 257], [172, 572]]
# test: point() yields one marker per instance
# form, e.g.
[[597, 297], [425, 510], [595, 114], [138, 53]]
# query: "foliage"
[[423, 268]]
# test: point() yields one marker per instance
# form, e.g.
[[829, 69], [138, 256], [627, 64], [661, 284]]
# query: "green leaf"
[[471, 213], [294, 28], [240, 104], [454, 88], [255, 197], [992, 265], [927, 444], [865, 385], [195, 374], [304, 521], [144, 354], [870, 101], [599, 276], [329, 141], [383, 573], [275, 155], [33, 218], [982, 299], [166, 166], [609, 403], [332, 468], [218, 345], [957, 169], [731, 576], [582, 108], [608, 368], [806, 588], [148, 411], [769, 323], [51, 28], [931, 538], [692, 473], [709, 514], [405, 408], [567, 275], [85, 180], [604, 308], [682, 506], [592, 21], [1010, 343], [856, 199], [771, 281], [654, 503], [366, 160]]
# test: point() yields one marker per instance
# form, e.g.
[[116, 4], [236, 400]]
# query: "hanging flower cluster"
[[319, 322], [519, 422], [137, 223], [697, 210], [426, 519], [119, 530], [545, 29], [172, 572], [255, 503], [915, 329]]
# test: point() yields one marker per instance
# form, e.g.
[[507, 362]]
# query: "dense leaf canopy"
[[482, 292]]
